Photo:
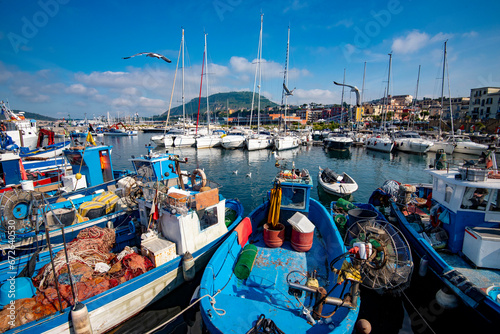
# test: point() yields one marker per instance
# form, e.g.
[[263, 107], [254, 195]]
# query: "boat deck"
[[480, 277], [266, 290]]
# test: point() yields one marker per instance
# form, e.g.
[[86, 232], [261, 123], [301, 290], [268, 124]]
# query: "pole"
[[342, 101]]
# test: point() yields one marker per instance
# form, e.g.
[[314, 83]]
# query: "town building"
[[484, 103]]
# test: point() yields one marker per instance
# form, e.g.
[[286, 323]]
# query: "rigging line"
[[173, 86], [421, 316]]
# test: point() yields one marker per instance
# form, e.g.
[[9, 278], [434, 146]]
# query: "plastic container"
[[27, 185], [360, 214], [302, 242], [343, 204], [16, 288]]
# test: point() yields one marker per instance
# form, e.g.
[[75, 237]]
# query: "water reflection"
[[380, 155], [336, 154]]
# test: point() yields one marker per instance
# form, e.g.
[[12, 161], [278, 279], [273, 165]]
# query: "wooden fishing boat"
[[335, 184], [48, 151], [184, 219], [279, 277], [452, 226]]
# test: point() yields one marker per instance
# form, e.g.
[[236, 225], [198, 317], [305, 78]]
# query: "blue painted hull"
[[465, 290], [266, 290], [114, 306]]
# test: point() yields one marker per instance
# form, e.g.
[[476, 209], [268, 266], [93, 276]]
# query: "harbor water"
[[248, 175]]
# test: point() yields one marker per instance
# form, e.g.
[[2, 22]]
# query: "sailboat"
[[285, 141], [448, 146], [210, 139], [382, 142], [258, 141]]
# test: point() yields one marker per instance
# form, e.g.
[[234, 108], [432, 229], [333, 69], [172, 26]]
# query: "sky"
[[63, 58]]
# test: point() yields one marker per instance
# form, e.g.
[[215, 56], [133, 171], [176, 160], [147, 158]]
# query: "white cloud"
[[295, 6], [314, 95], [412, 42], [79, 89], [470, 34]]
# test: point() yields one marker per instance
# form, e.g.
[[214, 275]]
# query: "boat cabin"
[[189, 215], [92, 162], [296, 188], [466, 198]]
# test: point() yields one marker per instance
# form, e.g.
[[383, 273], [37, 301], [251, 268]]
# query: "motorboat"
[[338, 141], [336, 184], [411, 142]]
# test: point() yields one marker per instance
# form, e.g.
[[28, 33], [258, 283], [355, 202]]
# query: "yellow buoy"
[[78, 176]]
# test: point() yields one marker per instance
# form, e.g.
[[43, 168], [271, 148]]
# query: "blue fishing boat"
[[183, 219], [285, 268], [47, 151], [452, 226]]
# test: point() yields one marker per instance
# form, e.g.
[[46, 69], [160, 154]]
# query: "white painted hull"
[[158, 140], [286, 143], [413, 145], [338, 188], [470, 148], [447, 147], [259, 143], [379, 144], [30, 138], [208, 141], [233, 142]]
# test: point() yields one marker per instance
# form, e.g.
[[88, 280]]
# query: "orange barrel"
[[274, 238], [302, 242]]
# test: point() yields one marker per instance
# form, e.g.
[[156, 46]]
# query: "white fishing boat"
[[336, 184], [16, 130]]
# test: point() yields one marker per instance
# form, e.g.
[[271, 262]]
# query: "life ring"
[[201, 173], [3, 127]]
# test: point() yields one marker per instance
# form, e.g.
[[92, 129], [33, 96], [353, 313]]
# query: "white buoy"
[[446, 299], [424, 264], [188, 268], [80, 319]]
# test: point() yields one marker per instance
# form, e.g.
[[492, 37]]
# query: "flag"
[[90, 140]]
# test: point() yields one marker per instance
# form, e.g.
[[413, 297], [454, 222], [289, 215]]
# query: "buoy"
[[80, 319], [446, 299], [424, 263], [363, 326], [78, 176], [188, 269]]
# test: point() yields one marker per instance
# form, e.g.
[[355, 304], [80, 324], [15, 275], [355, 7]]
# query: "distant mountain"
[[220, 101], [38, 117]]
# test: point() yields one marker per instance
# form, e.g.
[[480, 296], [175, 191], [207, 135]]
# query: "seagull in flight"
[[151, 54], [288, 92], [235, 171], [249, 174], [353, 89]]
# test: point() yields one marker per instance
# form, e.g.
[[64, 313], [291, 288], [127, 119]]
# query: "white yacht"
[[465, 145], [411, 142], [381, 142], [234, 139], [338, 141]]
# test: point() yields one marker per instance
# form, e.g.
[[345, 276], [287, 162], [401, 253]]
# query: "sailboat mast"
[[201, 85], [416, 93], [449, 93], [342, 101], [442, 87], [388, 87], [256, 72], [260, 71], [183, 101], [206, 80], [284, 95], [363, 86]]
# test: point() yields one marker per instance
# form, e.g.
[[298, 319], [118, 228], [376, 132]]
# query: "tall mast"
[[416, 92], [260, 70], [206, 74], [284, 95], [442, 88], [183, 101], [363, 87], [342, 101], [388, 86]]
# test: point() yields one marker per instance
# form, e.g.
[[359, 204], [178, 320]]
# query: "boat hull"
[[380, 144]]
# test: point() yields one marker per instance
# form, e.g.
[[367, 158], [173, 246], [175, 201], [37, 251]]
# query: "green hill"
[[38, 117], [219, 102]]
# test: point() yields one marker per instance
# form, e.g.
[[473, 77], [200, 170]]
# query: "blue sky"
[[64, 57]]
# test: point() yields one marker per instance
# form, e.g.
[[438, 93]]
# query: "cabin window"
[[495, 201], [475, 198], [448, 193], [293, 198], [208, 218], [145, 171], [105, 160]]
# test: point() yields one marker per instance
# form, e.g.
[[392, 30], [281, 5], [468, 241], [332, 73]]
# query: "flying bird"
[[152, 55], [288, 92], [353, 89], [235, 171], [249, 174]]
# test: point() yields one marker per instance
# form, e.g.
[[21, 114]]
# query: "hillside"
[[38, 117], [220, 101]]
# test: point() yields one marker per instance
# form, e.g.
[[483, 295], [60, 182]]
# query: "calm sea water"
[[247, 176]]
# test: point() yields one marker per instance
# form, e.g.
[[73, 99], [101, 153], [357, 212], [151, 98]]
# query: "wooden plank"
[[206, 199]]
